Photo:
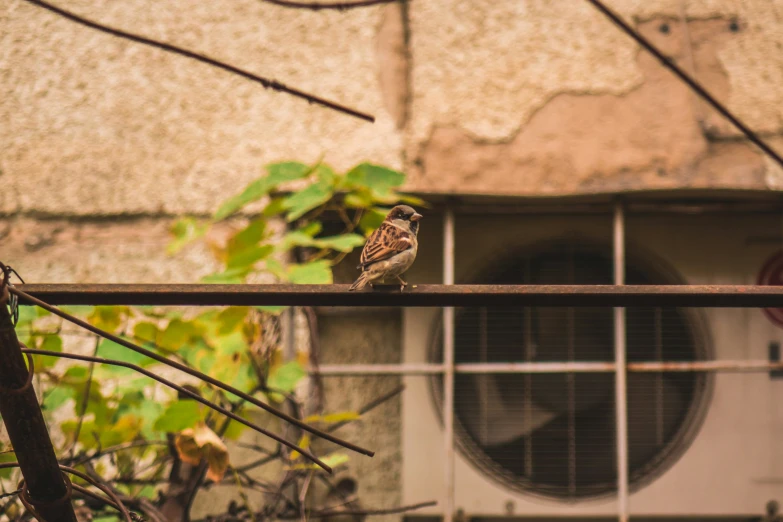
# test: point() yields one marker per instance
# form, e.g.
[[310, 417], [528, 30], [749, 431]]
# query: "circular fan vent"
[[554, 434]]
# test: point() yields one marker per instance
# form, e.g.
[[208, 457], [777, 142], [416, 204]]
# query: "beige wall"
[[540, 96]]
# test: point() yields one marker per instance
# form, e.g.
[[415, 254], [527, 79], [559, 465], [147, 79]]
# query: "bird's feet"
[[403, 284]]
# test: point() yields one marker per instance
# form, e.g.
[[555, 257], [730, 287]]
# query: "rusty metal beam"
[[739, 296], [26, 428]]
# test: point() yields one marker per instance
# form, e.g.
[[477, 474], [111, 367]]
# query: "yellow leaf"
[[187, 447], [332, 460], [303, 443], [195, 444], [332, 418]]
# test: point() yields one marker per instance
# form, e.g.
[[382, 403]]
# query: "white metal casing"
[[735, 463]]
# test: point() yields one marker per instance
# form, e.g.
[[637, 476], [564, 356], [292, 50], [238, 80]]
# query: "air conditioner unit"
[[544, 444]]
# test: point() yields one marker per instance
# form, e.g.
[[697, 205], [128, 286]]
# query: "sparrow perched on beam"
[[391, 249]]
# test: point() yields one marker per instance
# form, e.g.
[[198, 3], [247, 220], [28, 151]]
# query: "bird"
[[391, 249]]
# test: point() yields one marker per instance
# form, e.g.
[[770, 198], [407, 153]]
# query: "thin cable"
[[190, 371], [267, 83], [185, 391], [693, 84], [317, 6], [118, 503]]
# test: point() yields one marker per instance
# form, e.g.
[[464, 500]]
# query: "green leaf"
[[276, 268], [27, 315], [234, 275], [235, 429], [372, 219], [185, 230], [229, 345], [231, 319], [178, 416], [148, 412], [274, 310], [108, 317], [287, 171], [110, 350], [146, 331], [55, 397], [4, 458], [314, 273], [413, 200], [380, 180], [341, 243], [76, 374], [50, 343], [248, 236], [299, 203], [325, 173], [312, 229], [148, 492], [359, 199], [286, 376], [248, 257], [295, 239], [277, 173], [274, 208], [176, 334]]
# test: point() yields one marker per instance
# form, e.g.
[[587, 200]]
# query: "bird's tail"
[[361, 282]]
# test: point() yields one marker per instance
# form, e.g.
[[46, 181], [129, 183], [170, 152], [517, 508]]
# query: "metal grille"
[[567, 420]]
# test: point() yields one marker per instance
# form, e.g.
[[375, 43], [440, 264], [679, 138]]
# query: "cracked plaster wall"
[[550, 98], [482, 95]]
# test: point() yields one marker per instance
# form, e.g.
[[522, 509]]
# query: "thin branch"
[[85, 399], [190, 371], [370, 406], [117, 448], [265, 82], [185, 391], [142, 503], [685, 77], [317, 6], [315, 351], [10, 494], [303, 496], [368, 512]]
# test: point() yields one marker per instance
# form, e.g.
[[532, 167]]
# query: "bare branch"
[[85, 399], [365, 512], [114, 449], [187, 392], [370, 406], [265, 82]]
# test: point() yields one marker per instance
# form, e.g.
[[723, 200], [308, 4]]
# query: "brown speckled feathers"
[[384, 243]]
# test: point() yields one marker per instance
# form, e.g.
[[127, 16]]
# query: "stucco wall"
[[541, 96]]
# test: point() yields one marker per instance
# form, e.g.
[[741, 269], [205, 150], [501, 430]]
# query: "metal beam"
[[740, 296]]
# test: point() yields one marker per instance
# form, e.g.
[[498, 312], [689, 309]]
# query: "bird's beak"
[[416, 217]]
